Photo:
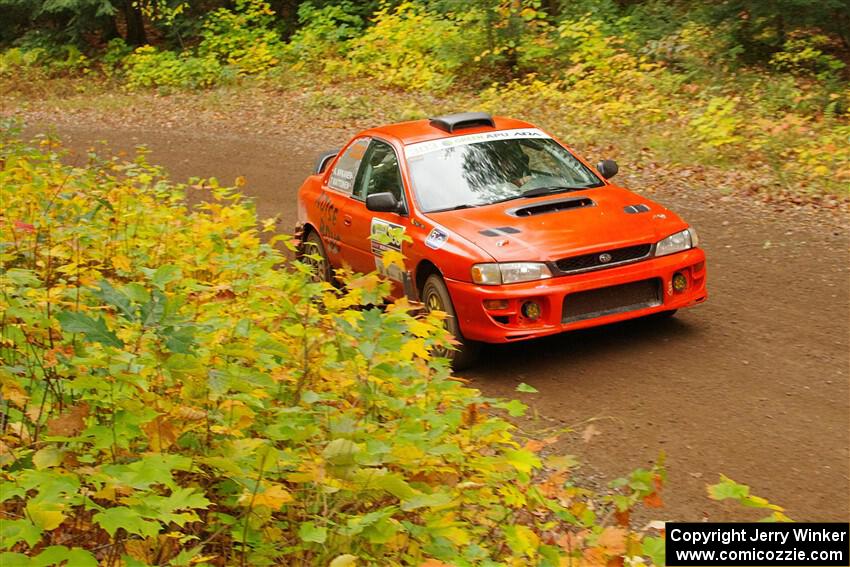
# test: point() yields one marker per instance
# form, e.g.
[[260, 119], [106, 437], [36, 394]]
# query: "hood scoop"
[[555, 206], [636, 209]]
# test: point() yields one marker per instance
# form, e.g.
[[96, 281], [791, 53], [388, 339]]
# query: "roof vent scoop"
[[452, 122]]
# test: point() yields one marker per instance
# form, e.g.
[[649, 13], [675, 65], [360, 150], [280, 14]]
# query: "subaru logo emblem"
[[604, 258]]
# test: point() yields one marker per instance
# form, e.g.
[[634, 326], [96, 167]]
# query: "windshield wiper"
[[455, 208], [537, 191]]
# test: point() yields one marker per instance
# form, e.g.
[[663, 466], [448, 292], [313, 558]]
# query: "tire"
[[435, 296], [321, 267]]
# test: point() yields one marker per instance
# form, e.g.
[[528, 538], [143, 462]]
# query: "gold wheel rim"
[[434, 303], [318, 266]]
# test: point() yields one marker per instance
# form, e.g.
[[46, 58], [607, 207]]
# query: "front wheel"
[[435, 296], [321, 267]]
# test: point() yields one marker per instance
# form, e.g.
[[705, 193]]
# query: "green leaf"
[[523, 387], [56, 554], [13, 531], [185, 498], [392, 483], [653, 547], [179, 340], [728, 488], [95, 330], [136, 292], [522, 460], [381, 531], [310, 532], [426, 500], [17, 559], [341, 452], [47, 457], [22, 278], [154, 309], [112, 519], [515, 408], [165, 274], [117, 299]]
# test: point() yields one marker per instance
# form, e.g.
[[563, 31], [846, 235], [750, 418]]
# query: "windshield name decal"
[[421, 148]]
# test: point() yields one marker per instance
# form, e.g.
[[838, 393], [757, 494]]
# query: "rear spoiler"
[[324, 159]]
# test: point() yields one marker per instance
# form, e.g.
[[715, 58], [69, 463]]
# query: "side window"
[[380, 172], [345, 171]]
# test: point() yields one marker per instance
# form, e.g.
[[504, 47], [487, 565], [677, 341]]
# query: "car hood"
[[556, 226]]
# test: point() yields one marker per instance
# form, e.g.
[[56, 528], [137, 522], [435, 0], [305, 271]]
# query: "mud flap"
[[298, 235], [410, 291]]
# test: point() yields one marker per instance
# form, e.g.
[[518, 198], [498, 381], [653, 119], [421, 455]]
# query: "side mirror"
[[608, 168], [383, 203]]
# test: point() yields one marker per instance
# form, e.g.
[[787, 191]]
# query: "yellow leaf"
[[414, 347], [44, 519], [392, 258], [141, 550], [454, 534], [161, 433], [522, 540], [13, 392], [48, 457], [420, 328], [274, 496], [241, 181], [344, 560], [239, 415], [121, 262]]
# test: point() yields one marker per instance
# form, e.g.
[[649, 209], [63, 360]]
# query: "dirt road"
[[752, 384]]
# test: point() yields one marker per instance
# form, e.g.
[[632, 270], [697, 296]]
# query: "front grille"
[[609, 300], [592, 261]]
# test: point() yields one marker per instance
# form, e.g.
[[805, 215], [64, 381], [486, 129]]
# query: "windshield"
[[481, 169]]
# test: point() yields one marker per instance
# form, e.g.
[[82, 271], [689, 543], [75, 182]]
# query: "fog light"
[[680, 282], [531, 310], [495, 304]]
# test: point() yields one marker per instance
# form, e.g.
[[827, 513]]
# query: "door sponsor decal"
[[436, 239], [327, 221], [386, 236]]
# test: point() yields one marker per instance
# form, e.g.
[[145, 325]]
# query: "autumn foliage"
[[730, 85], [175, 392]]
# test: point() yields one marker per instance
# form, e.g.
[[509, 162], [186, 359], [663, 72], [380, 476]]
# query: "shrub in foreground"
[[170, 395], [173, 391]]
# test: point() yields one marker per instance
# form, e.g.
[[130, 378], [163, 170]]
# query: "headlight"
[[678, 242], [509, 272]]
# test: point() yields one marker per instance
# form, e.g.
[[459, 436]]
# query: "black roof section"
[[452, 122]]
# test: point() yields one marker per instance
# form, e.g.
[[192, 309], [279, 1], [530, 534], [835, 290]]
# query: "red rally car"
[[512, 234]]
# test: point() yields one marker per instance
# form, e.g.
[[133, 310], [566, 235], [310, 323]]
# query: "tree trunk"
[[135, 24], [109, 29]]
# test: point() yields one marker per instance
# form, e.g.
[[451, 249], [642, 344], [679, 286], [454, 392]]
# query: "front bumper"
[[499, 325]]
